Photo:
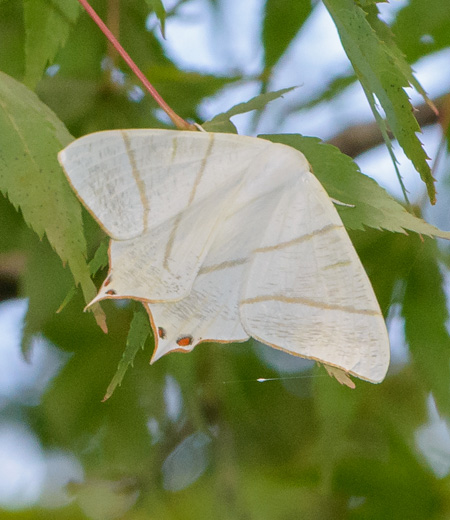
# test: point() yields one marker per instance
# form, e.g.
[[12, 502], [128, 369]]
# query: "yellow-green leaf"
[[341, 177], [47, 26], [30, 137], [377, 68]]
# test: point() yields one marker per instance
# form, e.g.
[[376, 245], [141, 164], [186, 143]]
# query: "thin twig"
[[176, 119]]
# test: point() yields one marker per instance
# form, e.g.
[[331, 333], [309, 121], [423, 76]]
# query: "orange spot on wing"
[[185, 341], [161, 332], [111, 292]]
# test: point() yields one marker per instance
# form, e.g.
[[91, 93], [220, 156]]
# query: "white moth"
[[223, 237]]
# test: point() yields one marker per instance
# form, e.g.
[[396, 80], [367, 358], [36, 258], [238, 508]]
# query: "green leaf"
[[335, 87], [12, 227], [137, 336], [343, 181], [377, 68], [38, 282], [385, 34], [100, 261], [384, 132], [224, 127], [282, 21], [47, 25], [426, 318], [31, 136], [158, 8], [13, 39], [368, 3], [430, 35], [256, 103]]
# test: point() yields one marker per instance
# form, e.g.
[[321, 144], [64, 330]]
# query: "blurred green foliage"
[[197, 436]]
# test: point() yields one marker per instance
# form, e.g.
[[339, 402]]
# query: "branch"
[[179, 122], [360, 138]]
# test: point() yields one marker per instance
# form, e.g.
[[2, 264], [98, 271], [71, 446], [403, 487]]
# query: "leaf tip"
[[100, 317]]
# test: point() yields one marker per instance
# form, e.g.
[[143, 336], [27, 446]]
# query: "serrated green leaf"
[[45, 282], [47, 26], [158, 8], [426, 317], [368, 3], [12, 226], [382, 80], [224, 127], [282, 21], [100, 261], [30, 177], [382, 125], [385, 34], [137, 336], [256, 103], [343, 181]]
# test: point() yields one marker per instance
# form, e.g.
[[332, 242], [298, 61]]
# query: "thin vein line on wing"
[[178, 218], [307, 302], [299, 239], [223, 265], [137, 177]]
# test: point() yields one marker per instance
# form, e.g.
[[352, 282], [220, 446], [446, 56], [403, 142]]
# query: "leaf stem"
[[176, 119]]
